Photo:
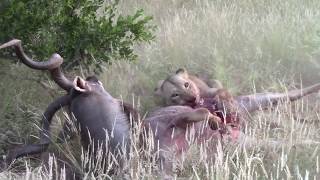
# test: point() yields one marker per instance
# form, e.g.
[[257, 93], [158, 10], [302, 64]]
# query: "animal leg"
[[260, 101], [44, 133], [200, 114]]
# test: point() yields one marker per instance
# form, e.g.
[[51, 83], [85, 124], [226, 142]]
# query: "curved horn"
[[45, 135], [254, 102], [58, 77], [53, 64]]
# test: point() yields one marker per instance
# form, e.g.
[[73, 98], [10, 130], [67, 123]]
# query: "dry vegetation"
[[251, 46]]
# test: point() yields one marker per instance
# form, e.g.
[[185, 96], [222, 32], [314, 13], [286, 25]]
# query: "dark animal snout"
[[192, 99]]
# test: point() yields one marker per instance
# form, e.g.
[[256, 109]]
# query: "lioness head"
[[178, 89]]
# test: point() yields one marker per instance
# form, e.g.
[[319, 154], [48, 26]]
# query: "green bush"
[[83, 32]]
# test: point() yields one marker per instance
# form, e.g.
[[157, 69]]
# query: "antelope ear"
[[182, 71], [80, 84], [157, 90]]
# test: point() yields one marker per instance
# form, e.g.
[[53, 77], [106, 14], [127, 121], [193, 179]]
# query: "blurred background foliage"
[[84, 32]]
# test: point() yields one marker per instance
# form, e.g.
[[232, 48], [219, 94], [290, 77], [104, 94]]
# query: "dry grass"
[[250, 46]]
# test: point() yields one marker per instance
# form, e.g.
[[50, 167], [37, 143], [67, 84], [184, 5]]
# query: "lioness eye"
[[175, 95], [186, 85]]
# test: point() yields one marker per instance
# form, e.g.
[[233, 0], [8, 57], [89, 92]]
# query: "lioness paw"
[[202, 112], [214, 122]]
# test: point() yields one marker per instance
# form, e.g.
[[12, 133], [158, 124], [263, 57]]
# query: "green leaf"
[[74, 29]]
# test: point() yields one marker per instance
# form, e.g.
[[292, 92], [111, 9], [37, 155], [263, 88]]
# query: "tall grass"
[[251, 46], [242, 43], [276, 146]]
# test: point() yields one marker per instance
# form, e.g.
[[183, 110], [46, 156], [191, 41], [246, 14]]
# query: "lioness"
[[230, 112], [182, 88]]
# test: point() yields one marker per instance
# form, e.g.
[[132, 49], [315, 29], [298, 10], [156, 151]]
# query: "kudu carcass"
[[188, 90], [175, 128], [228, 113], [235, 112], [103, 120]]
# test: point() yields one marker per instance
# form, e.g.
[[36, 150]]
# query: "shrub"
[[83, 32]]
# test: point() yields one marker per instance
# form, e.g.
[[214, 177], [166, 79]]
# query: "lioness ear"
[[182, 71], [157, 90]]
